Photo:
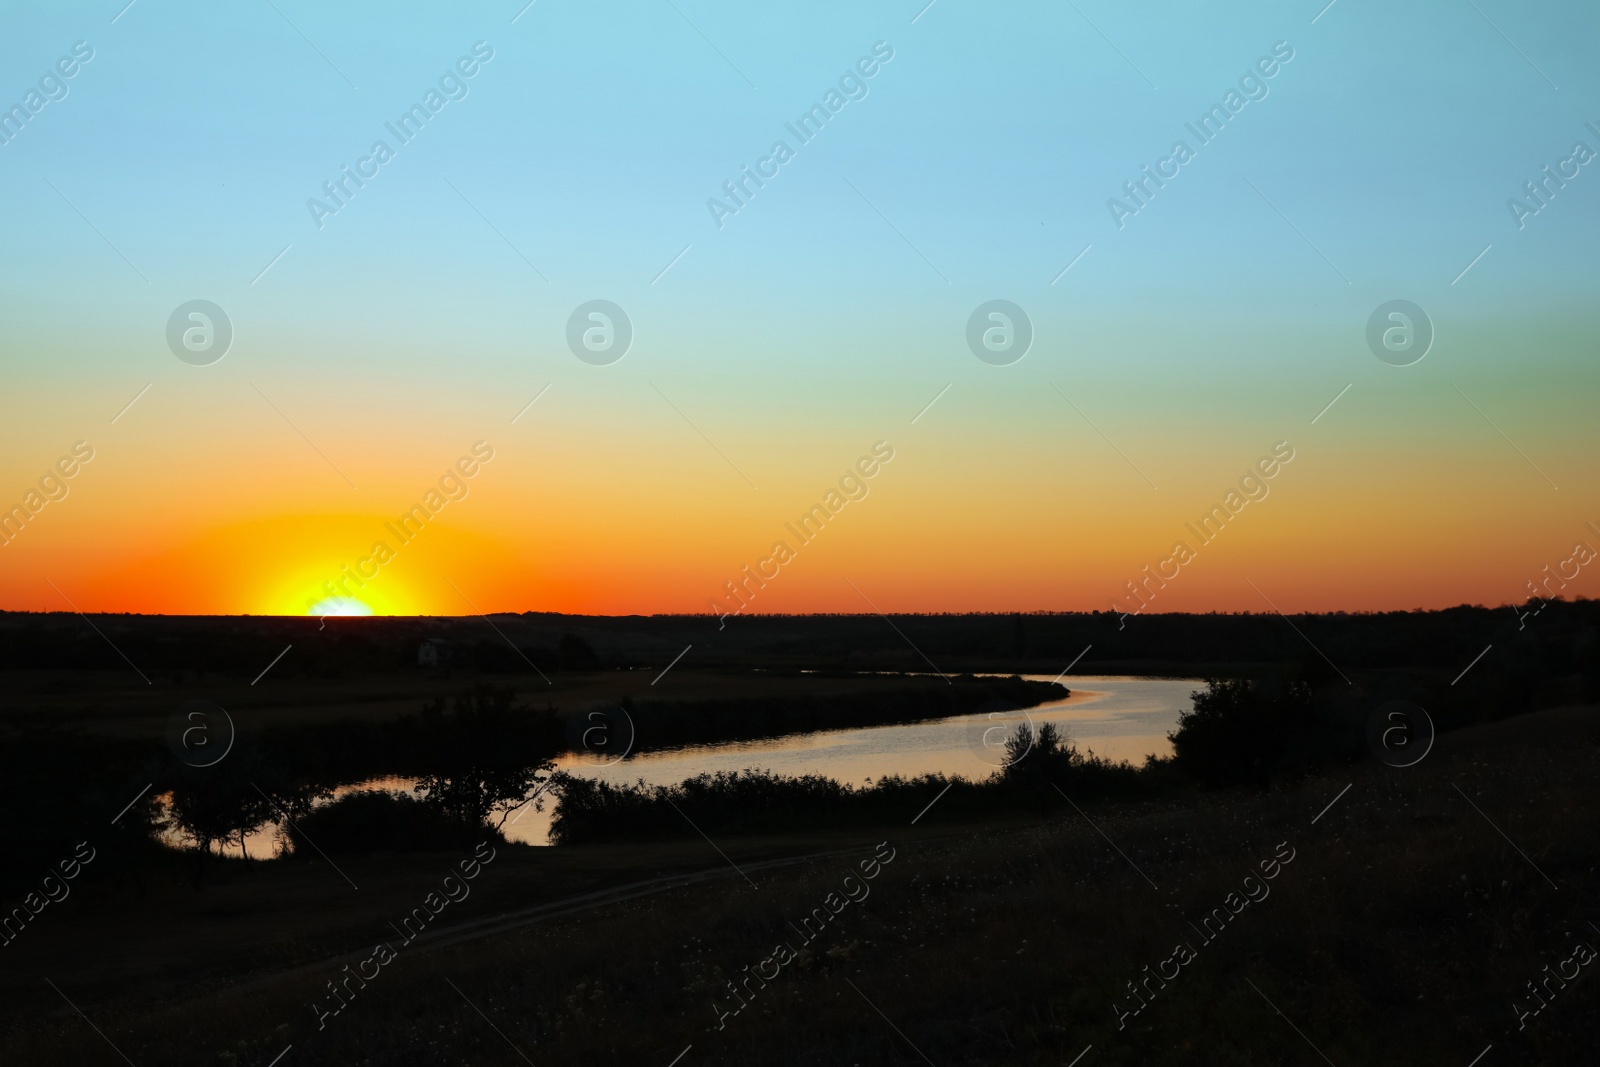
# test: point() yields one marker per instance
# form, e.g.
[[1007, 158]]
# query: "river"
[[1112, 716], [1117, 717]]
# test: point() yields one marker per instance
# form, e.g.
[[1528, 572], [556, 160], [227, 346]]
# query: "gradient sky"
[[822, 318]]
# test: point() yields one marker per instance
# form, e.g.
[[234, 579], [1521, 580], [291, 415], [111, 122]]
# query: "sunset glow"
[[442, 319], [517, 519]]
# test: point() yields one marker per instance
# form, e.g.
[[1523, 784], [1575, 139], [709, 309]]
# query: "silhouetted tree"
[[483, 754], [222, 803], [1238, 730]]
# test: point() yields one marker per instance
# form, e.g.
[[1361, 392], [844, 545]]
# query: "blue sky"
[[978, 166]]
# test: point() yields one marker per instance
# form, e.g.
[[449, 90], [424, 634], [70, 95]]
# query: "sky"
[[383, 339]]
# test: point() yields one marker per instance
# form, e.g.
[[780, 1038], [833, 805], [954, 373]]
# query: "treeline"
[[1552, 631], [177, 648], [1238, 644]]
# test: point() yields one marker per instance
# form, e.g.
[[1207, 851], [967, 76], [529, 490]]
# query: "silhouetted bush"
[[737, 802], [362, 823], [1046, 768], [1237, 730], [760, 802], [1251, 732]]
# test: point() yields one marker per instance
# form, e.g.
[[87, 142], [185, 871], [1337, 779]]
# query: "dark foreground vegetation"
[[1387, 923], [1275, 729], [1040, 765], [475, 759], [479, 754], [1294, 884]]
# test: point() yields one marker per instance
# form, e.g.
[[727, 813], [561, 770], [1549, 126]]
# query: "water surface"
[[1118, 717]]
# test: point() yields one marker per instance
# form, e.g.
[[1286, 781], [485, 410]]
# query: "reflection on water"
[[1115, 717], [1120, 718]]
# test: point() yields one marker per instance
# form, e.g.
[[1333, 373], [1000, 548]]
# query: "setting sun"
[[339, 605]]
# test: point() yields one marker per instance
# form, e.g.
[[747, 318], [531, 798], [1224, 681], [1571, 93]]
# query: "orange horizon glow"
[[427, 339]]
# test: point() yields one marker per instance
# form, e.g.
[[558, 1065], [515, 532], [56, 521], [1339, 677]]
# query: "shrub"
[[1044, 765], [738, 802], [367, 822]]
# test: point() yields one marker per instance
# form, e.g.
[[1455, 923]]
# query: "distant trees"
[[575, 654]]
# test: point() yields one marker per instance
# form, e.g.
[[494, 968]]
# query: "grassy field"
[[1413, 910]]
